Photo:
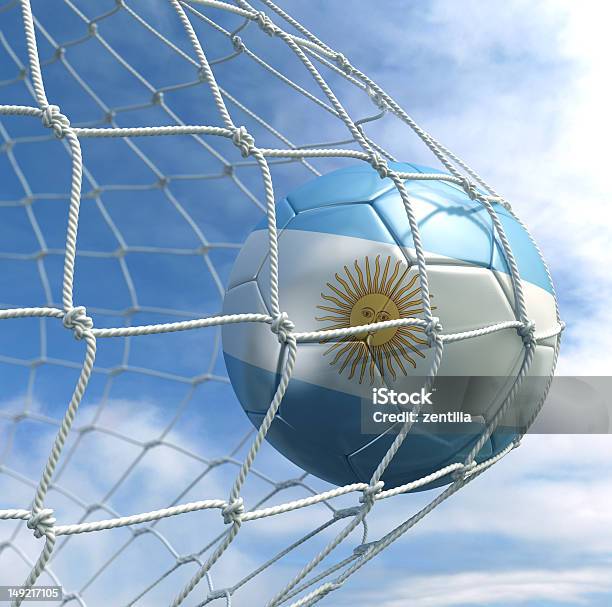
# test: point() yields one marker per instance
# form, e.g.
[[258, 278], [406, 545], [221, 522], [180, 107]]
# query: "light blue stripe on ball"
[[450, 223]]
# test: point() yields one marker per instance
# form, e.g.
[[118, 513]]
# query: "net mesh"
[[136, 414]]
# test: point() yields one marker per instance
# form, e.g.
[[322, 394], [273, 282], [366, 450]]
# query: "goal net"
[[140, 142]]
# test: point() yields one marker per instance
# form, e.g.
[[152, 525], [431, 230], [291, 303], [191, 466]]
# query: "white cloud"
[[515, 587], [158, 478], [551, 494], [544, 144], [553, 491]]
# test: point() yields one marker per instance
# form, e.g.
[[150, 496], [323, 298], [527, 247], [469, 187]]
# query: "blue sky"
[[518, 90]]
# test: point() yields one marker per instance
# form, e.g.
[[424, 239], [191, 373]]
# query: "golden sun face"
[[371, 295]]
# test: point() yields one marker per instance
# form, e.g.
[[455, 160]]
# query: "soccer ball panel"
[[467, 298], [540, 304], [308, 450], [284, 213], [450, 224], [531, 389], [358, 183], [257, 245], [530, 265], [421, 453], [252, 353], [252, 256], [357, 221]]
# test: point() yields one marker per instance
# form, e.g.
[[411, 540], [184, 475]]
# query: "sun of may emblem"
[[374, 294]]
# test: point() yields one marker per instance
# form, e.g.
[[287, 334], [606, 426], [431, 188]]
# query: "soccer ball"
[[347, 258]]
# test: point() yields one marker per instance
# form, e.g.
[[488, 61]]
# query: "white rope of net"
[[308, 49]]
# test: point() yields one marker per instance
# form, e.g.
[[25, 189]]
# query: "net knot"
[[42, 522], [377, 99], [187, 558], [363, 548], [282, 326], [343, 63], [77, 320], [346, 512], [527, 333], [379, 164], [232, 513], [243, 140], [433, 327], [463, 471], [52, 118], [266, 24], [370, 492], [222, 593], [469, 188], [290, 482], [238, 44]]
